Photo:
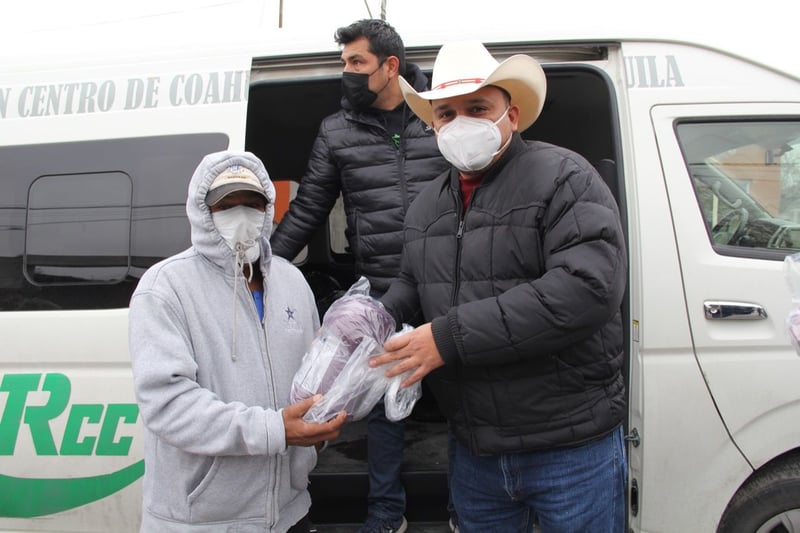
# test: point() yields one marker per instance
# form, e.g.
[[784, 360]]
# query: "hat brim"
[[520, 75], [214, 196]]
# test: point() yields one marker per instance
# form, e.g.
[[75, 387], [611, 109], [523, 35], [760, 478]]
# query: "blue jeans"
[[451, 452], [385, 442], [567, 489]]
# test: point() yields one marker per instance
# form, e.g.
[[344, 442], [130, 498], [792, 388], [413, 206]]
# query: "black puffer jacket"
[[355, 155], [524, 295]]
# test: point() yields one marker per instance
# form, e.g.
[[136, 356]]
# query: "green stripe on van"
[[27, 498]]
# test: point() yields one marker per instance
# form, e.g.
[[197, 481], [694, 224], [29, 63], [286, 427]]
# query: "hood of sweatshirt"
[[206, 239]]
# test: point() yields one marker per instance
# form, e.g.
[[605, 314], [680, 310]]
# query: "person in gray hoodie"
[[217, 333]]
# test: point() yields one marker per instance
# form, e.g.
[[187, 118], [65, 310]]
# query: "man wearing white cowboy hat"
[[517, 261]]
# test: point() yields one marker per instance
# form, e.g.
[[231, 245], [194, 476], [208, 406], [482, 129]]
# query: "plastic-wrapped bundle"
[[336, 365], [792, 271]]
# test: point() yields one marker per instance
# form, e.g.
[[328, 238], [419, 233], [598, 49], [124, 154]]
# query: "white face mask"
[[241, 225], [469, 143]]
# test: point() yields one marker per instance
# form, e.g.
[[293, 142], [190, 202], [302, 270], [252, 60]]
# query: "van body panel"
[[685, 481], [80, 378], [678, 271], [726, 348], [662, 361], [79, 467], [126, 98]]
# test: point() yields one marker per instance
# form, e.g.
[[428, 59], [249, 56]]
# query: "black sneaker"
[[453, 524]]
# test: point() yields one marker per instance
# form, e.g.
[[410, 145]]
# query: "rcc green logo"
[[27, 497], [38, 417]]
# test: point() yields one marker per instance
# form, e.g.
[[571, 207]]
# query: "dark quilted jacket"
[[354, 154], [524, 295]]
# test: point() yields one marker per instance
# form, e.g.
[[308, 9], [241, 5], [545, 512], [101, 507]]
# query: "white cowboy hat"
[[464, 67]]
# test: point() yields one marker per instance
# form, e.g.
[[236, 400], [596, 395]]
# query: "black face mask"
[[355, 87]]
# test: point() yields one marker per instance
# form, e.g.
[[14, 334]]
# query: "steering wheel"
[[728, 226]]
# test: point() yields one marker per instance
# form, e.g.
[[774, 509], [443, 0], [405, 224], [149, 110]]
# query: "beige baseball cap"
[[232, 179]]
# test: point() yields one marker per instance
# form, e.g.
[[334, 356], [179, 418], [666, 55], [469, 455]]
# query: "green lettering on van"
[[17, 386], [69, 444], [39, 417], [28, 498], [115, 412]]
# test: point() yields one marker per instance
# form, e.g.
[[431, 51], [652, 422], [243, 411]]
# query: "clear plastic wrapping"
[[792, 271], [336, 364]]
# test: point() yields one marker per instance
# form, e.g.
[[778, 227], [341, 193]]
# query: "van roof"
[[760, 35]]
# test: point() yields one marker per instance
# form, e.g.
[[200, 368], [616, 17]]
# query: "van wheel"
[[769, 502]]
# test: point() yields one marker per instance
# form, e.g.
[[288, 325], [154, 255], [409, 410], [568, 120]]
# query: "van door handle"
[[733, 311]]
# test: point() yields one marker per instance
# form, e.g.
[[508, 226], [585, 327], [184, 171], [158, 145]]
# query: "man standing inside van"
[[379, 156], [516, 258], [223, 449]]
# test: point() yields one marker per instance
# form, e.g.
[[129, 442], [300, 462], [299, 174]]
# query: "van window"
[[746, 175], [81, 221], [78, 229]]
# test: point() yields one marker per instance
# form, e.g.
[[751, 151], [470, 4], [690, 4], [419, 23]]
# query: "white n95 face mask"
[[469, 143], [241, 225]]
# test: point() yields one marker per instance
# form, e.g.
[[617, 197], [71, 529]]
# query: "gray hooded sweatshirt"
[[215, 451]]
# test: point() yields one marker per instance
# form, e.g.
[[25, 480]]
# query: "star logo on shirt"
[[289, 313]]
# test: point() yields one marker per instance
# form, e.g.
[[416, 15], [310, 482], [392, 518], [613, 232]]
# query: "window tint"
[[747, 179], [81, 221], [78, 229]]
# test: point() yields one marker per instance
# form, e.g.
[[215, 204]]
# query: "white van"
[[700, 146]]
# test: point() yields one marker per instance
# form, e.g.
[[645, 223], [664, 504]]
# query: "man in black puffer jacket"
[[379, 155], [516, 258], [374, 151]]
